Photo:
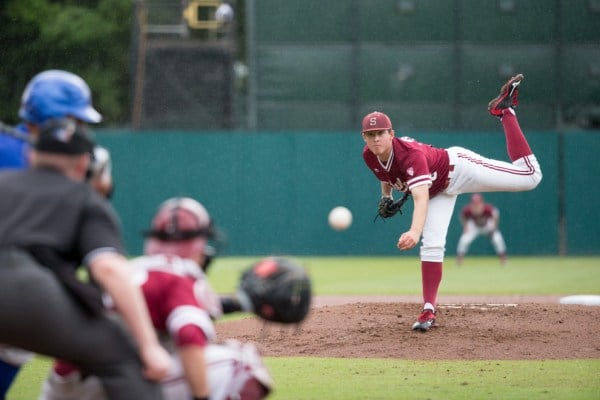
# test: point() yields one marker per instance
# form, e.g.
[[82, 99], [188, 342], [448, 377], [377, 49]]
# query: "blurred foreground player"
[[99, 176], [479, 218], [435, 177], [52, 222], [51, 94], [48, 95], [182, 306]]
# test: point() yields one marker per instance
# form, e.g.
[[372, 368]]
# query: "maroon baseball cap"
[[376, 121]]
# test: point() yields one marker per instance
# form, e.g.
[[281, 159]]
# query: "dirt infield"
[[468, 328]]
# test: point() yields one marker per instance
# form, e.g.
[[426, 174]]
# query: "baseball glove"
[[276, 289], [387, 207]]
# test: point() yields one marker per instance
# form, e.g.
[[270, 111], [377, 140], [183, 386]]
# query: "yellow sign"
[[200, 14]]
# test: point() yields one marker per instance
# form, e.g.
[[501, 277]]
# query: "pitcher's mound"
[[468, 331]]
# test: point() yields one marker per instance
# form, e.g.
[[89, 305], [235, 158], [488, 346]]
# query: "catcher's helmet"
[[56, 94], [181, 227]]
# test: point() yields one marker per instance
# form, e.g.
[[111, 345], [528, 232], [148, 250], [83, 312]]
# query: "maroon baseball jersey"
[[171, 287], [411, 164], [480, 220]]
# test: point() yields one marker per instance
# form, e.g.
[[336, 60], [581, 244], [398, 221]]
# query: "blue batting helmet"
[[57, 94]]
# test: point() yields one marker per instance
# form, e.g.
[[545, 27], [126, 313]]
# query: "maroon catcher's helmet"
[[181, 227]]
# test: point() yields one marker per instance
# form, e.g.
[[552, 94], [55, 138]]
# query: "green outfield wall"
[[270, 193]]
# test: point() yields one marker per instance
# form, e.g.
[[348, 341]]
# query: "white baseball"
[[340, 218]]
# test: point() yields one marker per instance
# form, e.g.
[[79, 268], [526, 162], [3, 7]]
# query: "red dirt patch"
[[496, 329]]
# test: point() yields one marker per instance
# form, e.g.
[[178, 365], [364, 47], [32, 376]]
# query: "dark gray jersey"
[[60, 222], [43, 208]]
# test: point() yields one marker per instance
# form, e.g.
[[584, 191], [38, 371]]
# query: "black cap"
[[64, 136]]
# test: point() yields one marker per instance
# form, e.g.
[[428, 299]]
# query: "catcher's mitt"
[[276, 289]]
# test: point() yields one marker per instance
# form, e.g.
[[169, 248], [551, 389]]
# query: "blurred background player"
[[435, 177], [51, 94], [182, 306], [480, 219]]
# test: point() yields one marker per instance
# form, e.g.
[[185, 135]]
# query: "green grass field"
[[324, 378]]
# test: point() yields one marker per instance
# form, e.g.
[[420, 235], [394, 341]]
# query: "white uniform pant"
[[472, 173], [472, 231]]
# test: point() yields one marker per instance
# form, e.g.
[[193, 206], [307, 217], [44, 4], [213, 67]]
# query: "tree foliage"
[[90, 38]]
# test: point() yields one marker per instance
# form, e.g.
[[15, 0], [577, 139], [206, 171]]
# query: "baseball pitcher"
[[436, 176]]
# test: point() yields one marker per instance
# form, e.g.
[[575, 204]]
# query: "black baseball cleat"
[[508, 97], [425, 321]]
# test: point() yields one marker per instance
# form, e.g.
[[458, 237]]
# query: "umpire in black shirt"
[[52, 222]]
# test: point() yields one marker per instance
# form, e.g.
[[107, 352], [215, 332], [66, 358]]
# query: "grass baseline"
[[349, 379]]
